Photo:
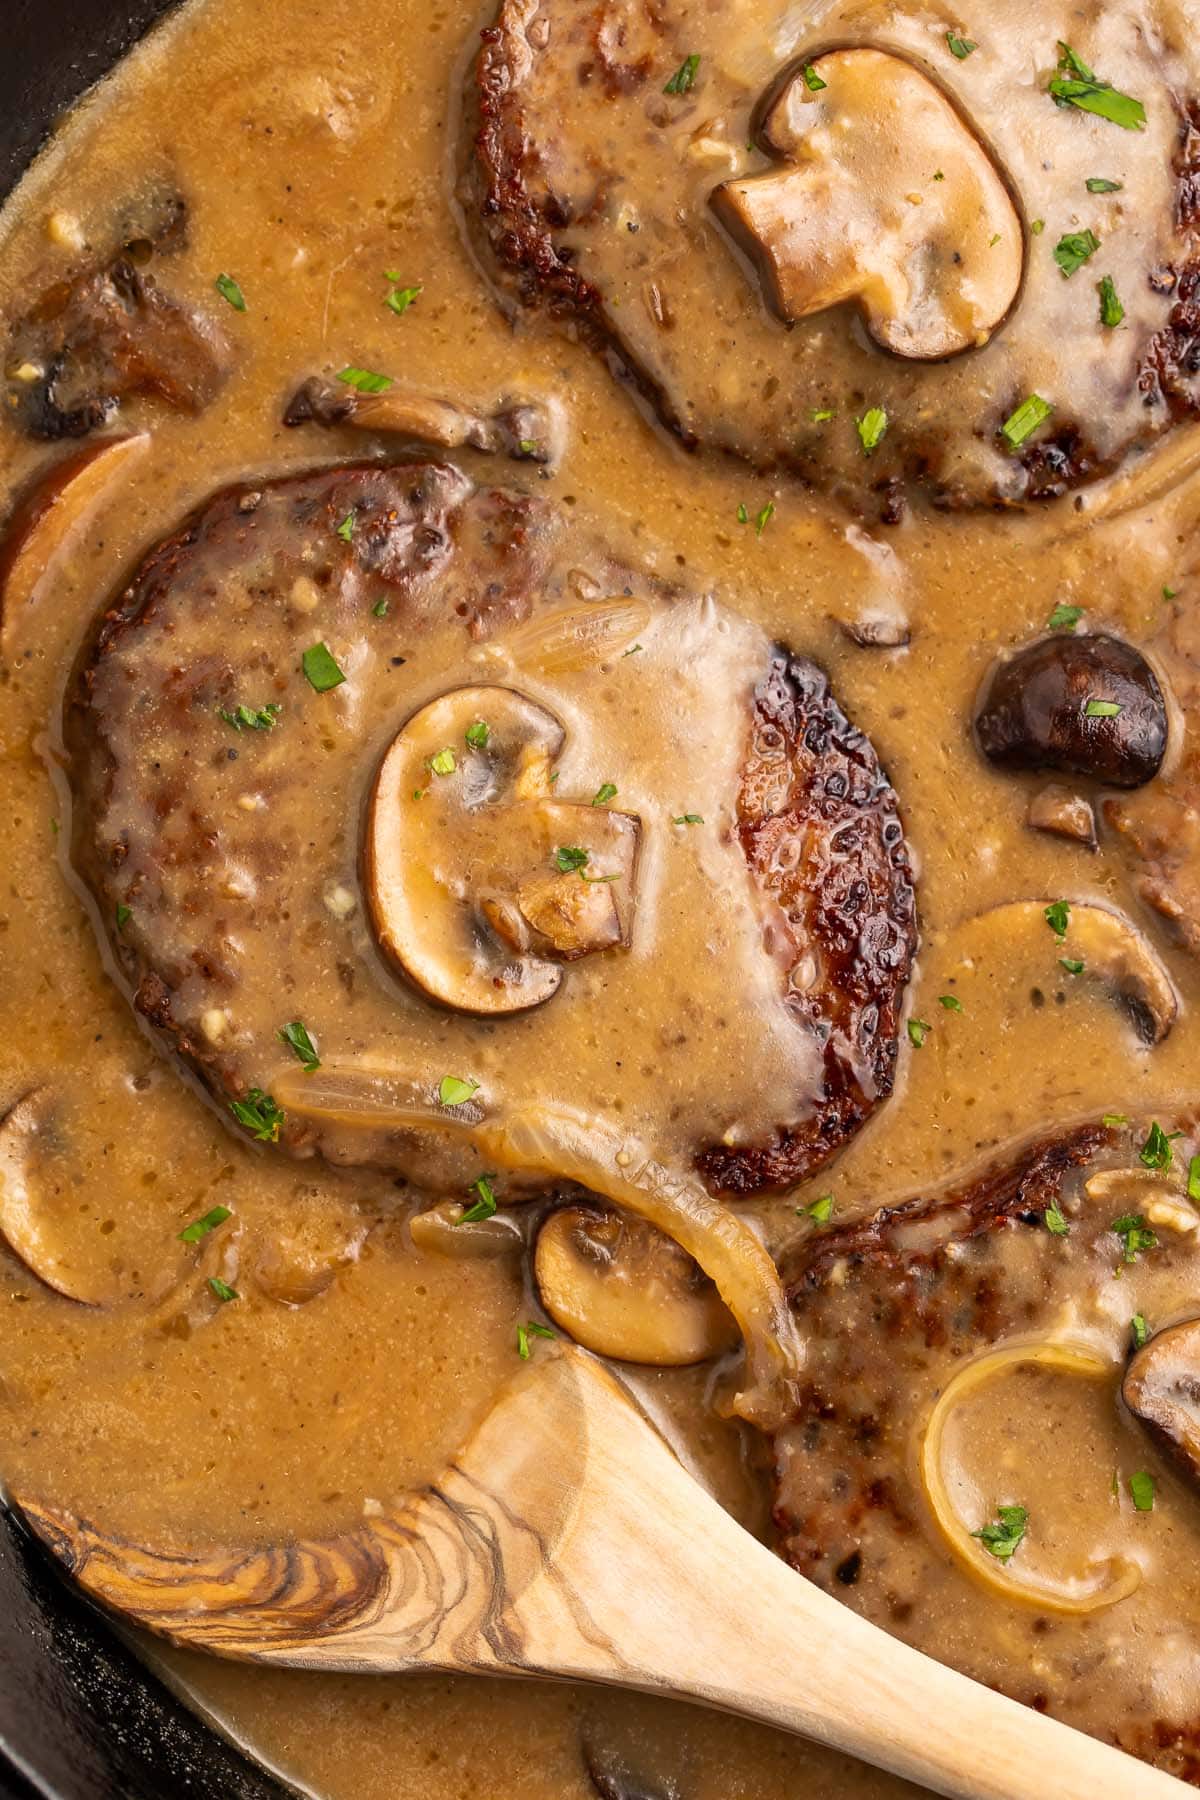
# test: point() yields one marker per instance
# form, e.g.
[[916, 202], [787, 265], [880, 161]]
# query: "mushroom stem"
[[592, 1152]]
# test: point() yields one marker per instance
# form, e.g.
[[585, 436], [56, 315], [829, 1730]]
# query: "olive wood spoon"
[[567, 1541]]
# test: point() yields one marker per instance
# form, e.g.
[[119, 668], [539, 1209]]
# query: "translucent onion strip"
[[1106, 1582]]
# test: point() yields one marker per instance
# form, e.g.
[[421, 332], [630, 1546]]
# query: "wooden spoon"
[[567, 1541]]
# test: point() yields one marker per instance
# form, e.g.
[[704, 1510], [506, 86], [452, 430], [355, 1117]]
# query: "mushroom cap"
[[933, 266], [1162, 1388], [479, 886]]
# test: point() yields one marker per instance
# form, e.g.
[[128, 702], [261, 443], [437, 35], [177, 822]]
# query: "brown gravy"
[[314, 146]]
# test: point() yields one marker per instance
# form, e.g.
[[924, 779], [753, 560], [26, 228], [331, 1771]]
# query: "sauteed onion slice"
[[1105, 1582]]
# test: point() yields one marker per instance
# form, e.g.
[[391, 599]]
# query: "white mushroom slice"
[[1112, 951], [50, 519], [480, 886], [888, 199], [621, 1288]]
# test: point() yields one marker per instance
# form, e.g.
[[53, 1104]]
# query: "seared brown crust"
[[821, 831]]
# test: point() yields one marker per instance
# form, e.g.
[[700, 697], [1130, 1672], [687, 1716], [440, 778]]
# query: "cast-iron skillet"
[[80, 1719]]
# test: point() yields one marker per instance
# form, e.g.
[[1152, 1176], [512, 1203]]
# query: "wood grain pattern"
[[567, 1541]]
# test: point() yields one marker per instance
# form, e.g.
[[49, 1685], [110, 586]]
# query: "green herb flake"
[[632, 651], [200, 1228], [1072, 964], [401, 298], [604, 793], [820, 1211], [993, 240], [443, 763], [320, 669], [1055, 1221], [939, 175], [222, 1289], [918, 1031], [1193, 1181], [569, 857], [455, 1090], [951, 1002], [346, 529], [872, 428], [477, 734], [528, 446], [251, 718], [1111, 310], [1024, 421], [380, 608], [688, 819], [1102, 709], [960, 47], [1037, 226], [1064, 618], [812, 80], [1112, 1120], [1070, 62], [1155, 1153], [1077, 85], [261, 1115], [1139, 1331], [484, 1206], [684, 77], [1073, 250], [1141, 1491], [525, 1332], [296, 1036], [1131, 1229], [821, 414], [763, 519], [1100, 184], [123, 915], [229, 290], [1001, 1539], [1058, 916], [743, 517], [366, 381]]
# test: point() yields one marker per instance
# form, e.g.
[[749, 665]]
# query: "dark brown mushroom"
[[1162, 1389], [1062, 813], [1079, 705]]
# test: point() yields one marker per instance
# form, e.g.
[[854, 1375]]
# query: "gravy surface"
[[316, 149]]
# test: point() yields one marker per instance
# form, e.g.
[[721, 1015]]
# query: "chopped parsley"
[[872, 428], [1139, 1331], [1155, 1153], [1001, 1539], [229, 290], [200, 1228], [380, 608], [688, 819], [819, 414], [1102, 709], [401, 298], [260, 1114], [1024, 421], [484, 1206], [569, 857], [1072, 964], [222, 1289], [1058, 916], [525, 1332], [1054, 1220], [123, 915], [1141, 1491], [819, 1211], [951, 1002], [684, 77], [1037, 226], [527, 446], [604, 793], [251, 718], [1112, 1120], [960, 46], [743, 517], [1111, 310], [1064, 618], [918, 1031], [296, 1035], [1073, 250], [443, 762], [1193, 1185], [454, 1090], [320, 668], [346, 529], [1076, 85], [477, 734], [366, 381], [812, 80], [632, 650], [1170, 593], [1134, 1236], [1100, 184], [764, 518]]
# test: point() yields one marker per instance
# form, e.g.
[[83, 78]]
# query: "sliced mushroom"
[[1111, 949], [623, 1289], [305, 1250], [445, 1231], [1162, 1389], [1061, 813], [1079, 705], [526, 430], [53, 514], [479, 884], [889, 200]]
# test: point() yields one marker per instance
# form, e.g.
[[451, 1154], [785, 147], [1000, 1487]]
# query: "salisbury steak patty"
[[860, 246], [981, 1334], [228, 731]]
